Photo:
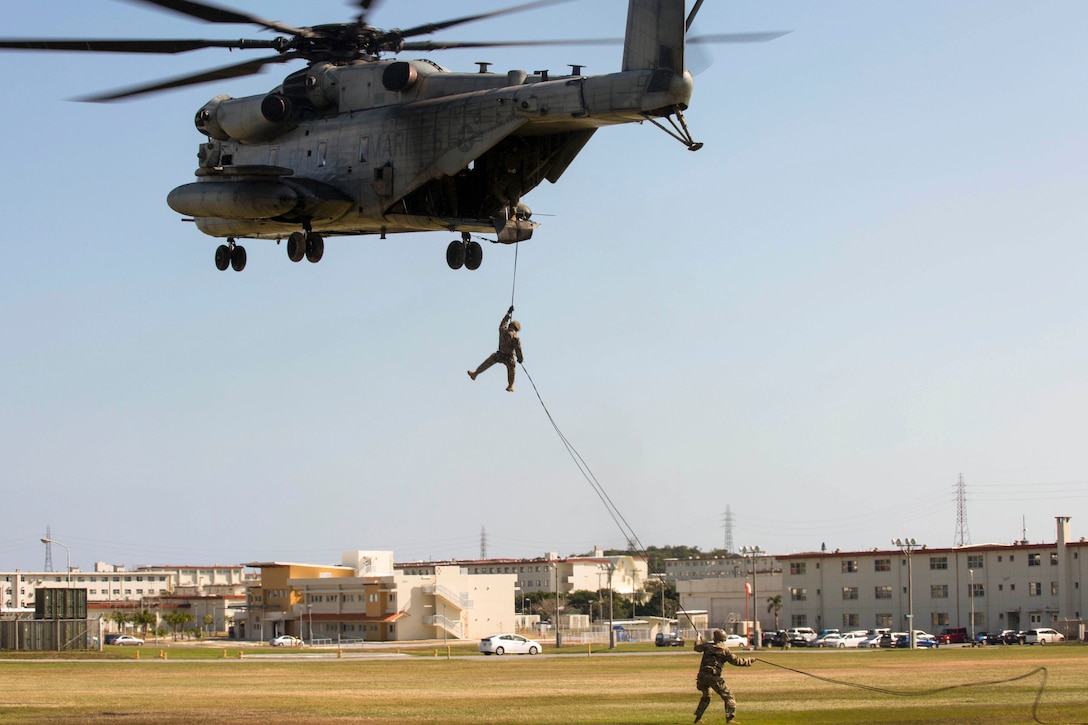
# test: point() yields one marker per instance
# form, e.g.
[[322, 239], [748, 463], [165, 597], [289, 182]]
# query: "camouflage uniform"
[[715, 655], [509, 349]]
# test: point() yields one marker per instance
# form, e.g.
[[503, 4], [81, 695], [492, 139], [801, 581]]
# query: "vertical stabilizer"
[[655, 35]]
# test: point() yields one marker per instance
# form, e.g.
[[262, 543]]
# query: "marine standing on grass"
[[715, 655], [509, 349]]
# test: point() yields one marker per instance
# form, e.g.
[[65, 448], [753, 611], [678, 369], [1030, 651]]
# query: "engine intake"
[[247, 120]]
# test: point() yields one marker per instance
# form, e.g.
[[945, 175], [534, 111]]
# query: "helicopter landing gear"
[[464, 253], [305, 244], [230, 255]]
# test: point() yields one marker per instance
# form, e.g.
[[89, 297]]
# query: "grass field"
[[631, 685]]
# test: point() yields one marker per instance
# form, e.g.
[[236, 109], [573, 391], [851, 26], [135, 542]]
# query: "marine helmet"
[[516, 325], [719, 635]]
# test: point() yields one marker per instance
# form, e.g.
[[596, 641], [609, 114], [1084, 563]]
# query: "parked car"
[[129, 640], [852, 639], [1043, 636], [669, 639], [954, 635], [872, 642], [831, 639], [736, 640], [515, 644], [110, 638], [921, 639], [772, 638], [801, 636], [286, 640], [1005, 636]]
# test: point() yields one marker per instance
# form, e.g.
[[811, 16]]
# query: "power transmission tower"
[[727, 524], [963, 536], [483, 542], [48, 549]]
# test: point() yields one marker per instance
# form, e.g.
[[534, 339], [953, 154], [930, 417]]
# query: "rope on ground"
[[935, 691]]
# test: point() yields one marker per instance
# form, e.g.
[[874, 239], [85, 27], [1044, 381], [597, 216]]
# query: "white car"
[[1043, 636], [515, 644], [735, 641], [286, 640], [831, 639], [872, 643], [852, 639]]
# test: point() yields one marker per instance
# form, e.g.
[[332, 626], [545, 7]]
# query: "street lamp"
[[67, 552], [754, 551], [908, 547]]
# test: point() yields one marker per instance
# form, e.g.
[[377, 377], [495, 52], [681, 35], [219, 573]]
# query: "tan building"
[[366, 598], [577, 573]]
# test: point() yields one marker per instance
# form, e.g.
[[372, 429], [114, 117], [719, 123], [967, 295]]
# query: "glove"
[[511, 310], [748, 662]]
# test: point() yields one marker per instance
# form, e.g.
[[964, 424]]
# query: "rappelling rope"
[[583, 467], [514, 284]]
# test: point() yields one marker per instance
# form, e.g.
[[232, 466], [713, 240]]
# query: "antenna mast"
[[963, 536], [483, 542], [727, 524], [48, 549]]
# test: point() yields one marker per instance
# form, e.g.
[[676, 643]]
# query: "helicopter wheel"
[[238, 259], [456, 254], [222, 257], [474, 255], [296, 246], [315, 247]]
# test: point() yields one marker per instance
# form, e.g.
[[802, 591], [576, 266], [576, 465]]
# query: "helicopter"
[[360, 142]]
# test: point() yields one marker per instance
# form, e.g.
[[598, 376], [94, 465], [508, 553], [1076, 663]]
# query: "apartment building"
[[626, 574]]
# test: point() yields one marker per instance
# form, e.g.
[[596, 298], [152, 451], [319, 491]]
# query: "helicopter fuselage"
[[404, 146]]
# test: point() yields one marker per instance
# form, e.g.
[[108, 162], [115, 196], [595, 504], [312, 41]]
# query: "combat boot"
[[471, 374], [509, 388]]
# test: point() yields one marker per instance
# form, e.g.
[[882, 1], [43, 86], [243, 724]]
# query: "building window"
[[980, 618], [849, 592], [798, 594], [1035, 558], [883, 593], [938, 591], [882, 564], [849, 620], [1053, 589], [979, 590], [797, 567], [974, 561], [1035, 589], [938, 562], [849, 566], [939, 619], [799, 620], [1053, 558], [884, 620]]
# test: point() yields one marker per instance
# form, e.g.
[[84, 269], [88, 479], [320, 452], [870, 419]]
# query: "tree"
[[209, 620], [177, 620], [119, 618], [774, 604], [143, 619]]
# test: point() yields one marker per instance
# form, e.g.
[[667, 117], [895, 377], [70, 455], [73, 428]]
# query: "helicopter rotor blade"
[[98, 45], [231, 71], [435, 27], [215, 14], [427, 45], [692, 14], [739, 37]]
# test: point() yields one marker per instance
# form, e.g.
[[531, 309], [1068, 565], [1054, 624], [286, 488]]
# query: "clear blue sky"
[[869, 281]]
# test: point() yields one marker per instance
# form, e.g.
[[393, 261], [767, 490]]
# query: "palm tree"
[[774, 604]]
